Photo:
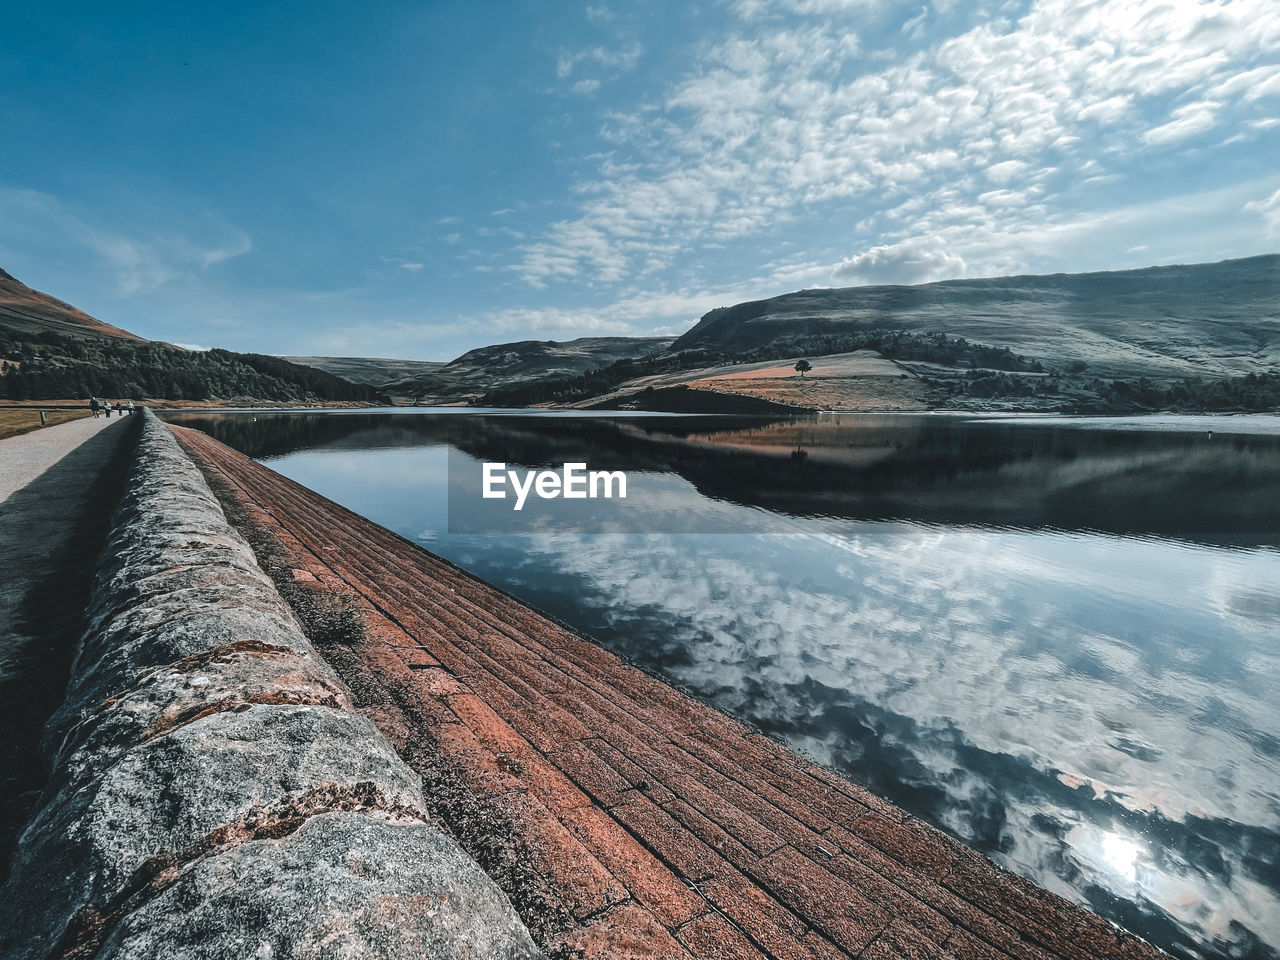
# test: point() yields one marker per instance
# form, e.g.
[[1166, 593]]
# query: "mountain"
[[50, 350], [23, 310], [1199, 337], [1214, 319], [478, 371], [371, 371]]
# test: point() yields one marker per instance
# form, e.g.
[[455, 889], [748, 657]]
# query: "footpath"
[[56, 495]]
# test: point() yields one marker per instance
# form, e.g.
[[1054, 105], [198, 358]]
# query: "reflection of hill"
[[271, 435], [919, 470], [1024, 476]]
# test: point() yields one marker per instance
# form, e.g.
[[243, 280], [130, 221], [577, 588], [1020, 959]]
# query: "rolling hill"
[[371, 371], [478, 371], [1211, 319], [23, 310], [50, 350], [1195, 337]]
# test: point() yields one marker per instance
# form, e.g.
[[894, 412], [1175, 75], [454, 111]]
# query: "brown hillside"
[[30, 311]]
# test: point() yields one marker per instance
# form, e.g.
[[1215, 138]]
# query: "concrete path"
[[623, 818], [25, 457], [57, 491]]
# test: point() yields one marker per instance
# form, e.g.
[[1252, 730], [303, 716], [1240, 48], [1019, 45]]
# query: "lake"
[[1058, 640]]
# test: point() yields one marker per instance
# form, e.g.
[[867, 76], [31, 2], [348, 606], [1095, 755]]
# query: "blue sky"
[[412, 181]]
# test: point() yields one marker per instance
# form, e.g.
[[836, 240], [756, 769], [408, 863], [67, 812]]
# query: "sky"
[[414, 180]]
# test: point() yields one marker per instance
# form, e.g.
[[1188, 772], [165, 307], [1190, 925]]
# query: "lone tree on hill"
[[803, 367]]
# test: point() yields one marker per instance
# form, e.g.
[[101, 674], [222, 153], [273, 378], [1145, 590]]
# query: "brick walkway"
[[662, 827]]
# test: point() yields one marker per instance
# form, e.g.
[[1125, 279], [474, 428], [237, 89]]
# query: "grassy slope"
[[24, 310], [1218, 319], [485, 368], [371, 371], [50, 350]]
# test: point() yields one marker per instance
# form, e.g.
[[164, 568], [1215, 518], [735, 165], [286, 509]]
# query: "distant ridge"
[[468, 377], [372, 371], [1211, 318], [50, 350], [24, 310]]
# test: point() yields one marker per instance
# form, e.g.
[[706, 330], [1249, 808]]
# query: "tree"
[[803, 367]]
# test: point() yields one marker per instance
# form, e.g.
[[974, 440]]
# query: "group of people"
[[122, 407]]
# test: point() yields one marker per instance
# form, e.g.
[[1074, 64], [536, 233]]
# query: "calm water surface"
[[1060, 642]]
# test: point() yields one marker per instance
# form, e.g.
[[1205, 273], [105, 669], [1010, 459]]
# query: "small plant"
[[330, 618]]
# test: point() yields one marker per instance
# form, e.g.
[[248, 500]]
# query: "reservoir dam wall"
[[212, 791]]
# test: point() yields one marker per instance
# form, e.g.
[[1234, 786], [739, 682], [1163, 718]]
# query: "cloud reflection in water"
[[1091, 711]]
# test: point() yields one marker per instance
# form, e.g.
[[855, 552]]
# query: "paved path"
[[647, 824], [25, 457], [54, 498]]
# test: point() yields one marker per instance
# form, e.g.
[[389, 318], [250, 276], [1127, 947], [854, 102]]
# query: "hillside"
[[23, 310], [49, 350], [1192, 338], [478, 371], [371, 371], [1213, 319]]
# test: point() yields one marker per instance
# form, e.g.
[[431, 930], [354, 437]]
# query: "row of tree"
[[1254, 392], [894, 344], [52, 366]]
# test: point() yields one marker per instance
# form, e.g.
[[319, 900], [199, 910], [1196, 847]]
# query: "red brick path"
[[664, 827]]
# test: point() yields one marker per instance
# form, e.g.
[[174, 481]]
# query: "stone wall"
[[213, 794]]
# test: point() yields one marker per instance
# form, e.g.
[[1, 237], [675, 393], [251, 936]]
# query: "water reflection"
[[916, 469], [1031, 636]]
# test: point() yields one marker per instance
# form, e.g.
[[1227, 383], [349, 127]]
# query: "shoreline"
[[743, 404]]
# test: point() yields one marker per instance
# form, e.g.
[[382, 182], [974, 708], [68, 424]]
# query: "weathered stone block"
[[363, 887]]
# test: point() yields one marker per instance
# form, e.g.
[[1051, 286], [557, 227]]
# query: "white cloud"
[[410, 339], [555, 319], [792, 119], [586, 87], [238, 247], [410, 267], [1188, 121], [911, 261], [620, 59], [914, 27], [1269, 210], [135, 262], [761, 9]]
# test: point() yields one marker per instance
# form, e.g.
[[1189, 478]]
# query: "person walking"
[[93, 407], [131, 408], [106, 406]]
